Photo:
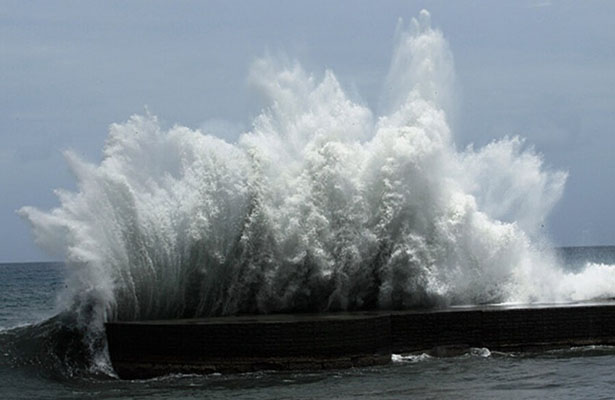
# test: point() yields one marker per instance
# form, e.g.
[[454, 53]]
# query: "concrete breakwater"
[[141, 349]]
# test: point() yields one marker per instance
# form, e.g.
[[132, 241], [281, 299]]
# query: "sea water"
[[30, 370]]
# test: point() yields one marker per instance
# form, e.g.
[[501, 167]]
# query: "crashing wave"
[[321, 206]]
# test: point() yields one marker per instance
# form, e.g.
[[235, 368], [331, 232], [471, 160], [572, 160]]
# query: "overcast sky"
[[541, 69]]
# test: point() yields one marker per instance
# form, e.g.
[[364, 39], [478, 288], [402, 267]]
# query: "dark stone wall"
[[147, 349], [504, 329], [318, 338], [144, 349]]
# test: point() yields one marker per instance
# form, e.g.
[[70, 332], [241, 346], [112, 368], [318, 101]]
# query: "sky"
[[544, 70]]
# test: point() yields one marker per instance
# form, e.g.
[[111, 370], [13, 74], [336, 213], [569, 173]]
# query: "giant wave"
[[323, 205]]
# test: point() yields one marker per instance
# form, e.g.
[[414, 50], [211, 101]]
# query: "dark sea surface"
[[28, 370]]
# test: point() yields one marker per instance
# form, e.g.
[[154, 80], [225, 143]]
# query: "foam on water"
[[410, 358], [322, 205]]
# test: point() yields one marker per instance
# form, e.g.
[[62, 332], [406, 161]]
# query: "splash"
[[321, 206]]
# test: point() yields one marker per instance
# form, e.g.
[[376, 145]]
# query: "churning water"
[[322, 205], [46, 361]]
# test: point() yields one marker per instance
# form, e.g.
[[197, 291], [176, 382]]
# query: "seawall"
[[142, 349]]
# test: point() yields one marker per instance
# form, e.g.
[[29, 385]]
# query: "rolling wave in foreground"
[[322, 206]]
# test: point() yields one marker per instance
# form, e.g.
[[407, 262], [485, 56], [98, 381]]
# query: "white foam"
[[410, 358]]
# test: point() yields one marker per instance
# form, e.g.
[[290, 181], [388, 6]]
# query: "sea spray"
[[321, 206]]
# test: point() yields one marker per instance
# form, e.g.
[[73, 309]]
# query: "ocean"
[[38, 362]]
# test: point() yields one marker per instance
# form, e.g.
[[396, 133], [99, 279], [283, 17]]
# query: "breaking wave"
[[322, 205]]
